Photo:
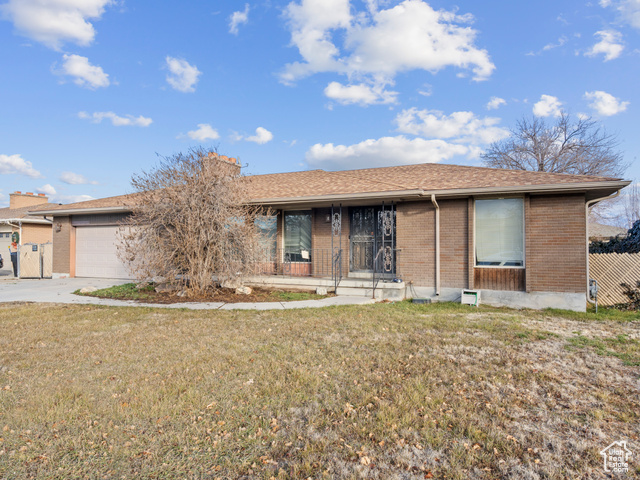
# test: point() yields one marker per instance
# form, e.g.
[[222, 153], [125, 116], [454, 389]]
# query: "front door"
[[372, 230], [363, 227]]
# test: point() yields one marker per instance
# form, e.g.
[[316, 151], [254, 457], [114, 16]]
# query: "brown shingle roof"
[[429, 177], [108, 202], [23, 212], [425, 176]]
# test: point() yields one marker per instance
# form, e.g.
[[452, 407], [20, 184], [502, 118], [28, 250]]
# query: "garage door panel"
[[96, 253]]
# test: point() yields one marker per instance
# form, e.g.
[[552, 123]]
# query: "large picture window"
[[500, 232], [297, 235]]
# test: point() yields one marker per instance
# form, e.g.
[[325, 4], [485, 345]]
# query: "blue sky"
[[92, 90]]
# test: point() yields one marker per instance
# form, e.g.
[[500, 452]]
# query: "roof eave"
[[26, 220], [412, 194], [418, 193], [81, 211]]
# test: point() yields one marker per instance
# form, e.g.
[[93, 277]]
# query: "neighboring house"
[[16, 218], [427, 230], [604, 233]]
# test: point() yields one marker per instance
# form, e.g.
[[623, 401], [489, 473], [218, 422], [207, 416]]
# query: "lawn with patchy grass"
[[387, 391]]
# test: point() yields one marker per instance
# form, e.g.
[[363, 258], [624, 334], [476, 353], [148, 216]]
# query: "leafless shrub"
[[192, 223]]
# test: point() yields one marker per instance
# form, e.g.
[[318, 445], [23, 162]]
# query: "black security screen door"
[[372, 228]]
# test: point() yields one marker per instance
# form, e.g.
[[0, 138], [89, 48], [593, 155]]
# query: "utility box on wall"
[[470, 297]]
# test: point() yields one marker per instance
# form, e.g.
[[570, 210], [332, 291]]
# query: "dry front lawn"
[[388, 391]]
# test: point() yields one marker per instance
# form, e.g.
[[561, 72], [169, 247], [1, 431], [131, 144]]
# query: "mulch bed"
[[227, 295]]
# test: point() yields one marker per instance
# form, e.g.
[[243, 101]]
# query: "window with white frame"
[[297, 235], [500, 232]]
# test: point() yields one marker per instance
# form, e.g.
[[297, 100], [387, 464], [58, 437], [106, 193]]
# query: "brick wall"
[[62, 245], [415, 223], [19, 199], [454, 243], [34, 233], [555, 244], [321, 238], [415, 238]]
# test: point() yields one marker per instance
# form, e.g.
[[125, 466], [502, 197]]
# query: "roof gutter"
[[81, 211], [25, 220], [418, 193]]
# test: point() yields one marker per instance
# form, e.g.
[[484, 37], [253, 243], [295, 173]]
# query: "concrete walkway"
[[61, 291]]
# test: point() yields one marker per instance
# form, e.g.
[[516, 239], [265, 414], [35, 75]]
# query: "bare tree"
[[577, 147], [631, 203], [192, 222]]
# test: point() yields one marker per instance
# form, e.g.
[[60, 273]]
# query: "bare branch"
[[581, 148]]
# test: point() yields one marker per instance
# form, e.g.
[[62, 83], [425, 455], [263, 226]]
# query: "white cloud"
[[203, 133], [550, 46], [629, 10], [495, 103], [360, 94], [75, 179], [85, 74], [60, 198], [183, 76], [54, 22], [604, 103], [384, 151], [261, 137], [547, 106], [15, 164], [116, 120], [380, 43], [238, 18], [459, 127], [610, 45], [46, 189], [426, 90], [55, 197]]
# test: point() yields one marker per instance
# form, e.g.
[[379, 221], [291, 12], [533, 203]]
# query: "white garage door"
[[96, 253], [5, 241]]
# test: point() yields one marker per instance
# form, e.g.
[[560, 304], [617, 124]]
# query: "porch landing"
[[355, 287]]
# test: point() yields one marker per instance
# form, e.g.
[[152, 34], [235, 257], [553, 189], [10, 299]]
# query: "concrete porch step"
[[360, 287], [392, 291]]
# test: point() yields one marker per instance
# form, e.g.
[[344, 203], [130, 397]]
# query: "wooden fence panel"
[[612, 269]]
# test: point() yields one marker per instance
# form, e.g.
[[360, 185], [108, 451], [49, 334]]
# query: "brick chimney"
[[19, 199], [229, 164]]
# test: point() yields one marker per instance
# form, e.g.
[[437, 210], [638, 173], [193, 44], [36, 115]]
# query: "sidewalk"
[[61, 291]]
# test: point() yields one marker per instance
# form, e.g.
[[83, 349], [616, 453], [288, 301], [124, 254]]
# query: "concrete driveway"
[[61, 291]]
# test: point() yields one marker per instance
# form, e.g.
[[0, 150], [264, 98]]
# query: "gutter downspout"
[[435, 204], [586, 209]]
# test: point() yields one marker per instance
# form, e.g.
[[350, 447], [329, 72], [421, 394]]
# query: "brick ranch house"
[[427, 230]]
